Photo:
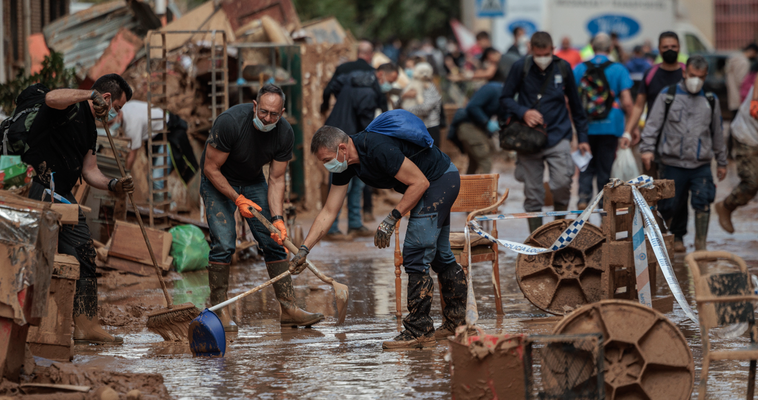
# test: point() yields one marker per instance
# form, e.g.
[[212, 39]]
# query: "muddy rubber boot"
[[724, 212], [218, 281], [534, 223], [292, 315], [87, 329], [560, 207], [702, 219], [454, 290], [419, 328], [679, 246]]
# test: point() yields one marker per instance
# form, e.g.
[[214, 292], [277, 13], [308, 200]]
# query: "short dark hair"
[[113, 84], [697, 62], [751, 46], [266, 89], [518, 28], [329, 137], [541, 40], [388, 67], [487, 52], [482, 35], [668, 34]]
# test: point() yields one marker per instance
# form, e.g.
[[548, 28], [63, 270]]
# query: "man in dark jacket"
[[552, 113], [473, 127], [363, 63]]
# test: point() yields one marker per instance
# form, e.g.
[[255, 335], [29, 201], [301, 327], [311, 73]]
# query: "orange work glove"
[[279, 224], [243, 203], [754, 109]]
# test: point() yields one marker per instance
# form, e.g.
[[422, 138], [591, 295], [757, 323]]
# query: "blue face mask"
[[261, 126], [385, 87], [112, 114], [335, 166], [409, 72]]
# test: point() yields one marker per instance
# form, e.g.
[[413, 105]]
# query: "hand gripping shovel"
[[341, 293]]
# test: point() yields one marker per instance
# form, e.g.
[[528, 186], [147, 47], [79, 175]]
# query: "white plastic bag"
[[625, 166]]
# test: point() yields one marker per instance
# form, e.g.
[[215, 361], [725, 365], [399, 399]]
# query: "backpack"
[[403, 125], [670, 94], [595, 91]]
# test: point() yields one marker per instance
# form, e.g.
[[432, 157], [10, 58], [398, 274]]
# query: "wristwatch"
[[277, 218], [112, 184]]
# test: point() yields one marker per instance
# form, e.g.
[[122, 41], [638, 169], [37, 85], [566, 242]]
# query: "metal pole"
[[27, 33]]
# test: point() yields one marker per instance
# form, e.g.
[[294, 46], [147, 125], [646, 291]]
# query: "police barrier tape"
[[651, 229], [502, 217], [472, 312]]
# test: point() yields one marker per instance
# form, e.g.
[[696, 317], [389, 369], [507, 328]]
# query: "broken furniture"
[[724, 296], [477, 195], [597, 264], [128, 253], [568, 366]]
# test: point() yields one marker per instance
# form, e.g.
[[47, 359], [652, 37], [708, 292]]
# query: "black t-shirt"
[[661, 80], [58, 141], [381, 157], [249, 149]]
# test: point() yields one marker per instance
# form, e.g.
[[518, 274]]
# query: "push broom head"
[[173, 323]]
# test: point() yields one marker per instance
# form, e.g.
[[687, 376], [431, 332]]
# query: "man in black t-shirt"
[[242, 140], [430, 184], [62, 142]]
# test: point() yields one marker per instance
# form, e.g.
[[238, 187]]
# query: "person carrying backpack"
[[542, 90], [684, 132], [604, 89], [396, 152]]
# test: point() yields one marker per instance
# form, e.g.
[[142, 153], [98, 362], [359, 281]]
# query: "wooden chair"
[[478, 195], [724, 298]]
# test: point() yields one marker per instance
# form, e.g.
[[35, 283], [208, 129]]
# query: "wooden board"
[[127, 243], [69, 213], [66, 266], [135, 267]]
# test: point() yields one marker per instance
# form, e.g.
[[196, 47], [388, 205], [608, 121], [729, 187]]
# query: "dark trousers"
[[603, 149], [695, 184], [368, 204]]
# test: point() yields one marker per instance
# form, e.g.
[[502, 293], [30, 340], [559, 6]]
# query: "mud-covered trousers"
[[746, 158], [74, 240], [219, 213]]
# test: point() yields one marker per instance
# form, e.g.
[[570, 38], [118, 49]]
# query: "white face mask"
[[335, 166], [693, 84], [260, 125], [543, 62]]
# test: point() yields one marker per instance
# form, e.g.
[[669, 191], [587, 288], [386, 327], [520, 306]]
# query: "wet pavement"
[[264, 360]]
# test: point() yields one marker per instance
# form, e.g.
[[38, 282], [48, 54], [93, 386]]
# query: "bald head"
[[601, 43], [365, 51]]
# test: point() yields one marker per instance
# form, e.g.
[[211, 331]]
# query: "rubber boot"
[[724, 211], [87, 328], [419, 329], [292, 315], [453, 287], [560, 207], [534, 223], [218, 281], [701, 229]]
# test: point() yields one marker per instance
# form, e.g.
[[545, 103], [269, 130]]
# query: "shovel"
[[206, 333], [341, 293]]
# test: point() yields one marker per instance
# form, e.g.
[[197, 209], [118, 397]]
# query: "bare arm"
[[627, 105], [60, 99], [417, 183], [633, 118], [326, 216], [276, 187], [92, 174], [130, 158], [486, 73], [214, 159]]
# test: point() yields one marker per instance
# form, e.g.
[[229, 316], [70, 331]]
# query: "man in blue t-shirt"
[[604, 134]]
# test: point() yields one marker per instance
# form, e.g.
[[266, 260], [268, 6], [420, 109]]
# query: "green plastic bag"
[[189, 248]]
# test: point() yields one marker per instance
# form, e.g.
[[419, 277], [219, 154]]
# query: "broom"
[[172, 323]]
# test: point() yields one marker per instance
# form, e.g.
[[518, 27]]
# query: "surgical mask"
[[112, 114], [260, 126], [670, 56], [385, 87], [693, 84], [543, 62], [335, 166], [409, 72], [522, 40]]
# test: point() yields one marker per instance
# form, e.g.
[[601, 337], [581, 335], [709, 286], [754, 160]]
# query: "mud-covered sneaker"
[[361, 231], [337, 236], [679, 246], [445, 331], [406, 341]]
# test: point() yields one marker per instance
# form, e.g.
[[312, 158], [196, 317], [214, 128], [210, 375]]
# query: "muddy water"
[[266, 361]]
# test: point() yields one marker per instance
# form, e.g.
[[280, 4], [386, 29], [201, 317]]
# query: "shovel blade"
[[341, 296], [206, 335]]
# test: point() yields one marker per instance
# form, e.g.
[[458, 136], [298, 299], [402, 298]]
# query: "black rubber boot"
[[218, 281], [702, 219], [292, 315], [560, 207], [453, 287], [86, 322], [419, 328], [534, 223]]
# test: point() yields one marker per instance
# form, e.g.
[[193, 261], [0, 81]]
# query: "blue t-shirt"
[[619, 80]]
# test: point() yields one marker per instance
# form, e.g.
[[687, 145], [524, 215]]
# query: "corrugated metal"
[[736, 23]]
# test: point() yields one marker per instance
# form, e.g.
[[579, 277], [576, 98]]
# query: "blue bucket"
[[206, 335]]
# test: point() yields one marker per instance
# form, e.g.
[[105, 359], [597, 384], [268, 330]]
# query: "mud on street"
[[264, 360]]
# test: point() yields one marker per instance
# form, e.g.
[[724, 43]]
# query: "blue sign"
[[623, 26], [490, 8], [529, 26]]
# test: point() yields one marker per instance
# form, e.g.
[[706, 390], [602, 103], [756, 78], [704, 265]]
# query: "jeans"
[[219, 212], [427, 240], [603, 149], [354, 191], [695, 183]]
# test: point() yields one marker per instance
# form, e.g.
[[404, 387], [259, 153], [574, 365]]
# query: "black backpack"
[[595, 91]]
